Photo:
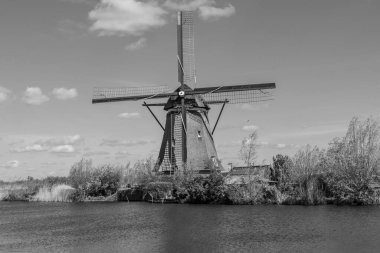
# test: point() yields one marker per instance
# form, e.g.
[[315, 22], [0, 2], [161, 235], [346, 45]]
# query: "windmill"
[[188, 137]]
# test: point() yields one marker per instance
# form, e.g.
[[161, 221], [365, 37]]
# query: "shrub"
[[355, 161], [56, 193], [281, 172], [100, 181], [104, 181], [159, 189]]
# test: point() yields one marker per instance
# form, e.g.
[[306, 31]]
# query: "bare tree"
[[307, 162], [356, 157], [248, 155], [248, 149]]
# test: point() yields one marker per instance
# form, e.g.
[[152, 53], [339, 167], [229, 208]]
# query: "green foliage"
[[346, 171], [104, 181], [142, 172], [211, 189], [355, 162], [78, 195], [80, 173], [130, 194], [244, 194], [308, 164], [17, 195], [281, 172], [160, 189], [23, 190], [95, 181]]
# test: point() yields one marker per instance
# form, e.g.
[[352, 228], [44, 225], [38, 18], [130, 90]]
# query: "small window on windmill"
[[199, 134]]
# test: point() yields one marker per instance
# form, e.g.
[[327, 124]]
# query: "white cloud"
[[30, 148], [134, 17], [65, 140], [123, 153], [4, 94], [312, 131], [72, 139], [230, 144], [281, 145], [211, 12], [250, 128], [187, 4], [64, 144], [63, 149], [129, 115], [253, 107], [63, 93], [136, 45], [122, 17], [263, 143], [34, 96], [79, 1], [11, 164], [96, 153], [118, 143]]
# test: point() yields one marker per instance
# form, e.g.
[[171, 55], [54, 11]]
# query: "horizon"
[[322, 56]]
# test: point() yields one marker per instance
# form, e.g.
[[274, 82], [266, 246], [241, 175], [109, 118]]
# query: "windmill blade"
[[238, 97], [104, 95], [185, 41], [238, 94]]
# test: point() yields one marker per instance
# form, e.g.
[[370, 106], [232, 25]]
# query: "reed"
[[57, 193]]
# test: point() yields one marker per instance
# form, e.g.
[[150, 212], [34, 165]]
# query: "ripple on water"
[[143, 227]]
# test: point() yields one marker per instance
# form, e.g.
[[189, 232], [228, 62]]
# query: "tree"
[[282, 166], [308, 171], [355, 160], [143, 171], [248, 149], [307, 162], [248, 155], [80, 173]]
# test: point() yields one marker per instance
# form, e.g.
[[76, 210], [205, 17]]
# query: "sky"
[[324, 57]]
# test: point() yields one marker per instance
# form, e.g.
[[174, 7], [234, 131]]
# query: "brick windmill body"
[[188, 138]]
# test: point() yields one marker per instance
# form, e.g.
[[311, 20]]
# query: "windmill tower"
[[188, 137]]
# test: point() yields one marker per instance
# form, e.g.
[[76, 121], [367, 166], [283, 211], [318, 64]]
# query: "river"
[[144, 227]]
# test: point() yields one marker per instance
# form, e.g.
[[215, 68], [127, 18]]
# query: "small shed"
[[243, 174]]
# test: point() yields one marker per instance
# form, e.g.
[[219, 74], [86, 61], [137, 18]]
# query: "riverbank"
[[212, 189]]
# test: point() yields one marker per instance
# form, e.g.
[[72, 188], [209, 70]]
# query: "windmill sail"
[[238, 94], [185, 41], [114, 94]]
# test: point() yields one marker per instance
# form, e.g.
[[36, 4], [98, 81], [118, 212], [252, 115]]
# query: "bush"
[[281, 172], [355, 162], [159, 190], [130, 194], [101, 181], [209, 190]]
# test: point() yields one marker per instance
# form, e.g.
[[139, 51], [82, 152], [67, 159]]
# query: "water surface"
[[144, 227]]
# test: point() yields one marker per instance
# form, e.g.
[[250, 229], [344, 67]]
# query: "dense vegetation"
[[346, 172]]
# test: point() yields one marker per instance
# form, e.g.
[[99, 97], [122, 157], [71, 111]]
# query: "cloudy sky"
[[323, 55]]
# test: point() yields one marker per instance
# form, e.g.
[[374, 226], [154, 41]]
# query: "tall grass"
[[57, 193]]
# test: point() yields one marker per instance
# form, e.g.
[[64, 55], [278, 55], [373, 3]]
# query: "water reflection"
[[144, 227]]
